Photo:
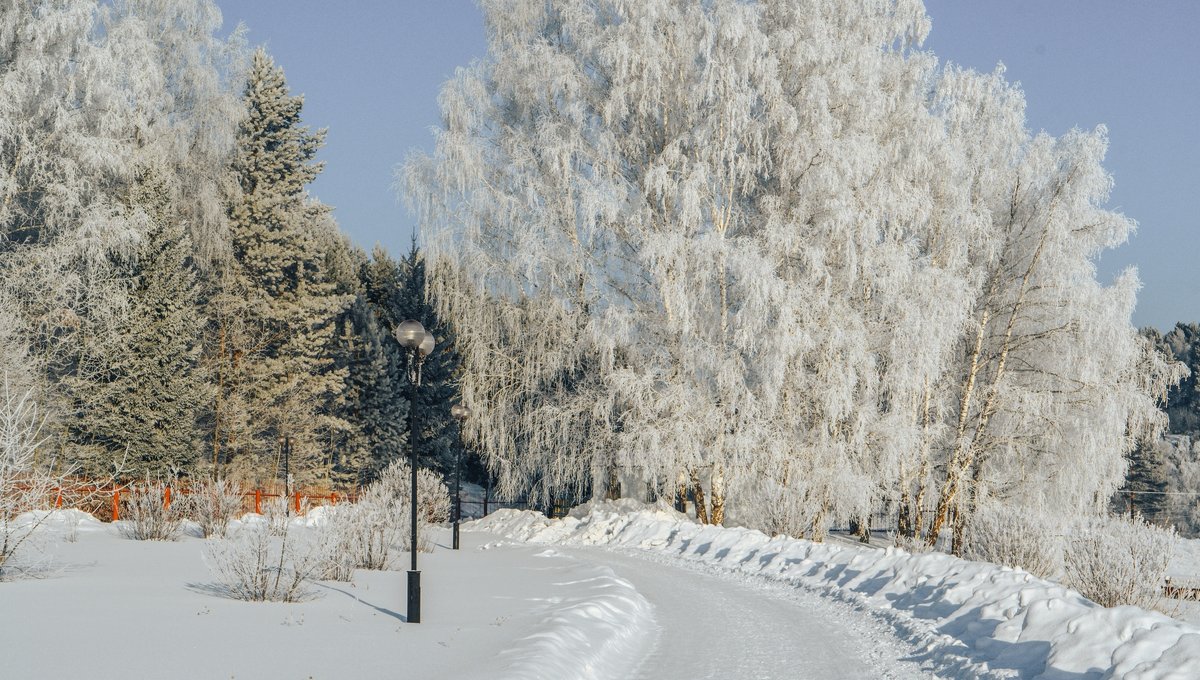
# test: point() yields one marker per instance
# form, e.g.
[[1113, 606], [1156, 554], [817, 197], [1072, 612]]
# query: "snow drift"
[[972, 619], [598, 629]]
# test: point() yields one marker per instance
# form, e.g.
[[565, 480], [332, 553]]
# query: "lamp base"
[[414, 597]]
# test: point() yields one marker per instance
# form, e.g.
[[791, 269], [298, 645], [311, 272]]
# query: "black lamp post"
[[412, 336], [460, 413], [285, 448]]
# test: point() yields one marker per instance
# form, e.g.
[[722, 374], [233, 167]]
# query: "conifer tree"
[[1183, 402], [396, 291], [437, 440], [137, 408], [1146, 480], [277, 291], [373, 404]]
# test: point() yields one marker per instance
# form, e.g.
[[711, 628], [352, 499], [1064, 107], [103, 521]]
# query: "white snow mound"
[[972, 619], [601, 630]]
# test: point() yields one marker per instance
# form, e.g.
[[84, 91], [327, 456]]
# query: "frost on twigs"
[[23, 484], [214, 504], [149, 516], [255, 565], [730, 253], [1015, 537], [1115, 561], [366, 533]]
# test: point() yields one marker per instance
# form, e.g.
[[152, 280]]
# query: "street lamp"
[[460, 413], [285, 448], [413, 337]]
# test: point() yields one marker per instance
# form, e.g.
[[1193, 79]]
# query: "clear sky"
[[371, 70]]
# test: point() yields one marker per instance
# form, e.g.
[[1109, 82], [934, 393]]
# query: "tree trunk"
[[216, 443], [717, 484], [681, 492], [954, 468], [698, 499], [613, 492]]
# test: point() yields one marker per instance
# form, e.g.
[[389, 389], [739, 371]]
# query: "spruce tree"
[[138, 413], [396, 291], [438, 437], [1146, 480], [373, 405], [283, 301], [1183, 402]]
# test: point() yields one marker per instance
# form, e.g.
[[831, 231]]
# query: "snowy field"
[[621, 591]]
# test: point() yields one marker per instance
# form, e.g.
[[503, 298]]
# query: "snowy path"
[[715, 626]]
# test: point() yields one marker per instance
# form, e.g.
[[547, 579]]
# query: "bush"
[[148, 517], [23, 486], [1115, 561], [278, 514], [1014, 537], [213, 504], [363, 535], [254, 564]]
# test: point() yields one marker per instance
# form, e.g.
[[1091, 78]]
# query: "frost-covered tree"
[[95, 93], [275, 293], [646, 225], [138, 410], [774, 245], [1183, 400]]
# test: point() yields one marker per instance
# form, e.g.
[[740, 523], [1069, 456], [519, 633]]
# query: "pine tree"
[[277, 291], [396, 292]]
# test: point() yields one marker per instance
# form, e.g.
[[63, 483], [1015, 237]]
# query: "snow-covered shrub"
[[915, 545], [1014, 537], [277, 512], [148, 517], [433, 498], [213, 504], [339, 532], [23, 485], [364, 534], [1115, 561], [252, 563]]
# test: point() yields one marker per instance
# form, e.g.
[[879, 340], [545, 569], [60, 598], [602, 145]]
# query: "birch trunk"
[[718, 494], [698, 498]]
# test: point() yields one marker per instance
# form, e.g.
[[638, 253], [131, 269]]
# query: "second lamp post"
[[460, 413], [418, 342]]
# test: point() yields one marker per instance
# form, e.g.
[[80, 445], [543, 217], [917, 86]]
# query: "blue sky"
[[370, 71]]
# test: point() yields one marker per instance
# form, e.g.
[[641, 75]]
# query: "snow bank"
[[973, 619], [594, 625]]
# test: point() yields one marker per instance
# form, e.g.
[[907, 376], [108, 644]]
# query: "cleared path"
[[720, 625]]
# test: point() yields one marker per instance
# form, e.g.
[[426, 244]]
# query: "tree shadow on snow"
[[975, 644], [225, 592]]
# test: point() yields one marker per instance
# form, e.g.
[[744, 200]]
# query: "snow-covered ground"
[[618, 590], [967, 619], [109, 607]]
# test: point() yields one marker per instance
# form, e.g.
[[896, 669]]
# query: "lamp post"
[[460, 413], [413, 337], [285, 448]]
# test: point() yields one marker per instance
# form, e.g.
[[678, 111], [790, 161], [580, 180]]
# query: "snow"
[[969, 619], [713, 624], [138, 609], [615, 590]]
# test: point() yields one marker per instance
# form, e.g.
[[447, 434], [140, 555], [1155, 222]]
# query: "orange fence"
[[105, 501]]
